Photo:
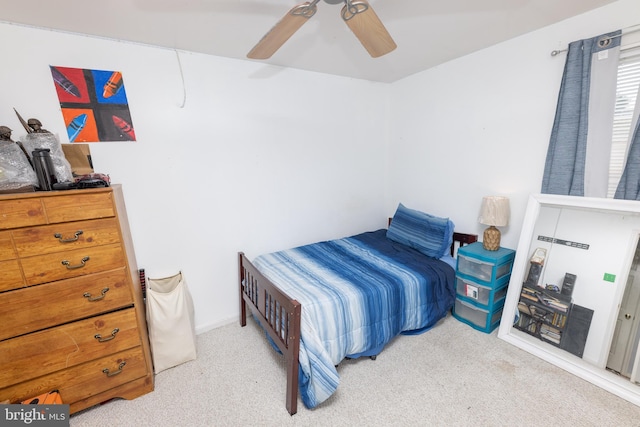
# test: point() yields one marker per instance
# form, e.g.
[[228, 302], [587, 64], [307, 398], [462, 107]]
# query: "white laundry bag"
[[170, 318]]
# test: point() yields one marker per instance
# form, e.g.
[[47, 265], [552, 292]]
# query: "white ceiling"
[[427, 32]]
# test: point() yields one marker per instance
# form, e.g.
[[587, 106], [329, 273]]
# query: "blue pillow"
[[426, 233]]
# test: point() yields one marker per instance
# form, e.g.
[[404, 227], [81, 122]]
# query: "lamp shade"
[[494, 211]]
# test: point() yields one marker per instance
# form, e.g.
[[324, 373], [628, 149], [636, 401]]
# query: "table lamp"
[[494, 213]]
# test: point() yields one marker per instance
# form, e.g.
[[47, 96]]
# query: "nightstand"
[[482, 278]]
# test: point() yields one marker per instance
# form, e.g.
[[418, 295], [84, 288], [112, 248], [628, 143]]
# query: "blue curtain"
[[629, 185], [564, 171]]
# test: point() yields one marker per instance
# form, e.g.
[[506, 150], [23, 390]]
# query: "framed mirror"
[[574, 298]]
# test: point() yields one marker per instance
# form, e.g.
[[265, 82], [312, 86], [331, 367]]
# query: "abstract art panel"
[[94, 104]]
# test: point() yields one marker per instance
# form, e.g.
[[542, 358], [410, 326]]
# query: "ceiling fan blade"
[[283, 30], [367, 27]]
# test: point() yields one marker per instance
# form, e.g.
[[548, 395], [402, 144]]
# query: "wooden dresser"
[[72, 316]]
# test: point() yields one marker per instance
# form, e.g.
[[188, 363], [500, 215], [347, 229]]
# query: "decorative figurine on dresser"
[[16, 169], [72, 313], [38, 140], [482, 277]]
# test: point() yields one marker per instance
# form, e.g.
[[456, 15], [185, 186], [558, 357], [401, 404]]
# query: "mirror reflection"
[[574, 298]]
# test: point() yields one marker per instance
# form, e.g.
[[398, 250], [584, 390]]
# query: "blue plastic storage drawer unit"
[[482, 278]]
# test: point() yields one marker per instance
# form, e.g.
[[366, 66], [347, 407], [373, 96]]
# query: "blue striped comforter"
[[357, 293]]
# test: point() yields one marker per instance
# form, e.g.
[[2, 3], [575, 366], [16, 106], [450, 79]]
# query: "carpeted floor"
[[450, 376]]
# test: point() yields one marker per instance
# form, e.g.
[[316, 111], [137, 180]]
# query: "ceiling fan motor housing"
[[334, 1]]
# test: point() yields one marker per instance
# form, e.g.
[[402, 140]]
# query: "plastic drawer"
[[475, 268], [477, 318], [482, 270], [477, 263], [480, 294]]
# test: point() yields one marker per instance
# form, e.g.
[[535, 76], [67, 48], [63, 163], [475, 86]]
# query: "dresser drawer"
[[11, 276], [85, 380], [68, 345], [64, 265], [66, 208], [21, 213], [62, 237], [62, 302], [6, 246]]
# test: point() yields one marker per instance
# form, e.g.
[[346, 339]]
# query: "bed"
[[348, 297]]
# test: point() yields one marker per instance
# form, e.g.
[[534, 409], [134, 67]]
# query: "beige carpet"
[[449, 376]]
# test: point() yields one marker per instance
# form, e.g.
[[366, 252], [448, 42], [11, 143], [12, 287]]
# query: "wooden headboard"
[[462, 239]]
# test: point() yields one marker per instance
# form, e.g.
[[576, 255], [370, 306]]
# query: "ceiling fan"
[[357, 14]]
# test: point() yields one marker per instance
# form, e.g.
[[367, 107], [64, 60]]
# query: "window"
[[626, 94]]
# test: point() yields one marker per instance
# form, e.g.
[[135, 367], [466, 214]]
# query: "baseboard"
[[201, 329]]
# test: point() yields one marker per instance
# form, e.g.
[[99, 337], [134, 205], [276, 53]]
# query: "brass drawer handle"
[[73, 267], [111, 374], [88, 296], [109, 338], [70, 239]]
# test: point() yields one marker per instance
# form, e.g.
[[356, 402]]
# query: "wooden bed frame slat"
[[279, 315]]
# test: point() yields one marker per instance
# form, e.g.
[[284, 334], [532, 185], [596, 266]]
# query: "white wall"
[[259, 158], [480, 125]]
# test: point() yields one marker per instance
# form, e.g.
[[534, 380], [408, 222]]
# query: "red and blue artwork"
[[94, 104]]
